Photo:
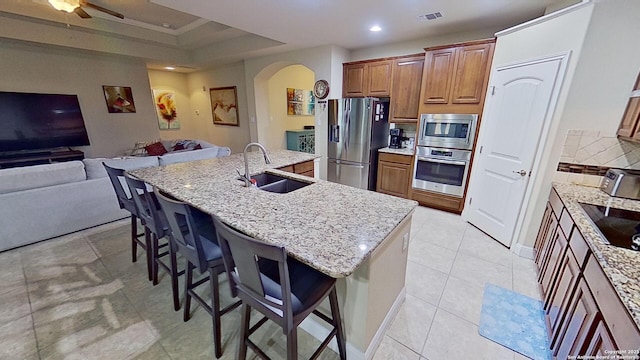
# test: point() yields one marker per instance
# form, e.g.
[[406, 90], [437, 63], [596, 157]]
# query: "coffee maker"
[[396, 138]]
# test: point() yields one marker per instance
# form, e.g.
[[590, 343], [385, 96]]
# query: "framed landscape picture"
[[224, 105]]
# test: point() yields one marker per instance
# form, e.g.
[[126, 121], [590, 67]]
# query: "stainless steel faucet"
[[267, 160]]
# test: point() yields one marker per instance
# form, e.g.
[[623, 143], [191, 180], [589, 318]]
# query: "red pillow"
[[197, 147], [155, 149], [178, 146]]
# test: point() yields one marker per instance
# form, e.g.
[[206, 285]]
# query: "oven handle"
[[452, 162]]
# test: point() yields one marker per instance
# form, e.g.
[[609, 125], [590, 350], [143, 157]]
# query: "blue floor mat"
[[515, 321]]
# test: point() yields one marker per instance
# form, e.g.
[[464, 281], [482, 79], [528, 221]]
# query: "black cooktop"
[[620, 227]]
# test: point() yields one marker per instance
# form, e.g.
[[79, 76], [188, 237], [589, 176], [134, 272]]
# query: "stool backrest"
[[184, 229], [116, 176], [243, 259], [149, 210]]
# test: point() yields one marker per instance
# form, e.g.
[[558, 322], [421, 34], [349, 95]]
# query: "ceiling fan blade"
[[104, 10], [83, 14]]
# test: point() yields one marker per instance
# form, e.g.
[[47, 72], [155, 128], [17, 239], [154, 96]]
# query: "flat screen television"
[[31, 121]]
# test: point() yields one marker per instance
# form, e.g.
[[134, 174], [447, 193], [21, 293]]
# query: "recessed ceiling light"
[[375, 28], [169, 68]]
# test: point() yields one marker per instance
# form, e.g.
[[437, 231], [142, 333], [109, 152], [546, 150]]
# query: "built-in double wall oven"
[[443, 154]]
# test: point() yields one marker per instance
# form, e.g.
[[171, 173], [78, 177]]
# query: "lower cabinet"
[[304, 168], [394, 174], [585, 315]]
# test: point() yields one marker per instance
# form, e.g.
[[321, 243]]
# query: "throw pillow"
[[197, 147], [156, 149], [177, 147]]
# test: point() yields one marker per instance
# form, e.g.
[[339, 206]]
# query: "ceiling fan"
[[75, 6]]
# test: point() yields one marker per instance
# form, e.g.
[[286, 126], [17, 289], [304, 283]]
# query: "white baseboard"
[[526, 252], [313, 327]]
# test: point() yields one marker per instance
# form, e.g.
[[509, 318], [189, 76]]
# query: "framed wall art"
[[165, 103], [119, 99], [224, 105], [300, 102]]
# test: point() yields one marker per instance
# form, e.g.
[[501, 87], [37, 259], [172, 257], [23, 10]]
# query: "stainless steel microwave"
[[454, 131]]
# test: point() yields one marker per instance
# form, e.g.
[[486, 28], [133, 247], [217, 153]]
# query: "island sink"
[[277, 184]]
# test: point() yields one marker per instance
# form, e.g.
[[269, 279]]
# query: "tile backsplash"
[[586, 153]]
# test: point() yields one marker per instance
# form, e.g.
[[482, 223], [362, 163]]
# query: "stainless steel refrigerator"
[[358, 127]]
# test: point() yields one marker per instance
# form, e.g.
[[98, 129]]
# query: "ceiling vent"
[[431, 16]]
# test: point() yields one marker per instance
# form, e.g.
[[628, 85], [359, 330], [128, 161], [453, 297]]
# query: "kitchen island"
[[357, 236]]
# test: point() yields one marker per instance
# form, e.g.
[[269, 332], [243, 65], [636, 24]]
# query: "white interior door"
[[519, 103]]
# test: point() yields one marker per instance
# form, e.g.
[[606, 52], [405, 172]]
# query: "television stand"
[[38, 158]]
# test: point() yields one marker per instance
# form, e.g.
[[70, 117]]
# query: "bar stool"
[[156, 228], [116, 176], [281, 288], [195, 237]]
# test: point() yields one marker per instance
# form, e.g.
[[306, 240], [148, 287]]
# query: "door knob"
[[521, 172]]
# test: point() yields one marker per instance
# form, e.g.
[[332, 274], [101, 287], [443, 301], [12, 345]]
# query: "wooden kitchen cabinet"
[[455, 77], [585, 315], [440, 201], [407, 79], [630, 124], [394, 174], [304, 168], [367, 78]]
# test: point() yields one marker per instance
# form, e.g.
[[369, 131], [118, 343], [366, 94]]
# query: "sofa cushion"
[[193, 155], [95, 169], [37, 176]]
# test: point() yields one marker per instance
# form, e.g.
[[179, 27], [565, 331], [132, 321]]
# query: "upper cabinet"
[[367, 78], [629, 127], [407, 78], [455, 77]]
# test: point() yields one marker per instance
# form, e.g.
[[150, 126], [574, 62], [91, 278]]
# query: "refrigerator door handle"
[[334, 134]]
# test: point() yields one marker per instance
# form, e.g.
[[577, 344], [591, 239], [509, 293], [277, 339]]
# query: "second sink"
[[277, 184]]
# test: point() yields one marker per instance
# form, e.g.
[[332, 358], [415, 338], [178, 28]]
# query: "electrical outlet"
[[405, 242]]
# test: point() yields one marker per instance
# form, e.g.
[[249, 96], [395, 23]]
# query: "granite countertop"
[[329, 226], [622, 266], [403, 151]]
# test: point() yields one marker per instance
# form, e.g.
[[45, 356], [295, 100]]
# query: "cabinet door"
[[557, 247], [470, 72], [378, 77], [353, 81], [629, 125], [563, 288], [393, 179], [572, 337], [407, 78], [547, 227], [601, 341], [438, 69]]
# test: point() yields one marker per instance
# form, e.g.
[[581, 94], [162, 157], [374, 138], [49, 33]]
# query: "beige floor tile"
[[412, 323], [11, 273], [522, 263], [425, 283], [454, 338], [478, 244], [57, 324], [391, 349], [481, 272], [430, 255], [112, 241], [18, 339], [525, 282], [71, 249], [155, 352], [462, 298], [15, 303]]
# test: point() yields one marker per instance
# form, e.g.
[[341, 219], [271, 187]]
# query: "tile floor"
[[80, 297]]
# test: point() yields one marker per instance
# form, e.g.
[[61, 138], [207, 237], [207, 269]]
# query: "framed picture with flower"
[[165, 105], [224, 105]]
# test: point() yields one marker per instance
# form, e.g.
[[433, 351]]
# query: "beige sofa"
[[44, 201]]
